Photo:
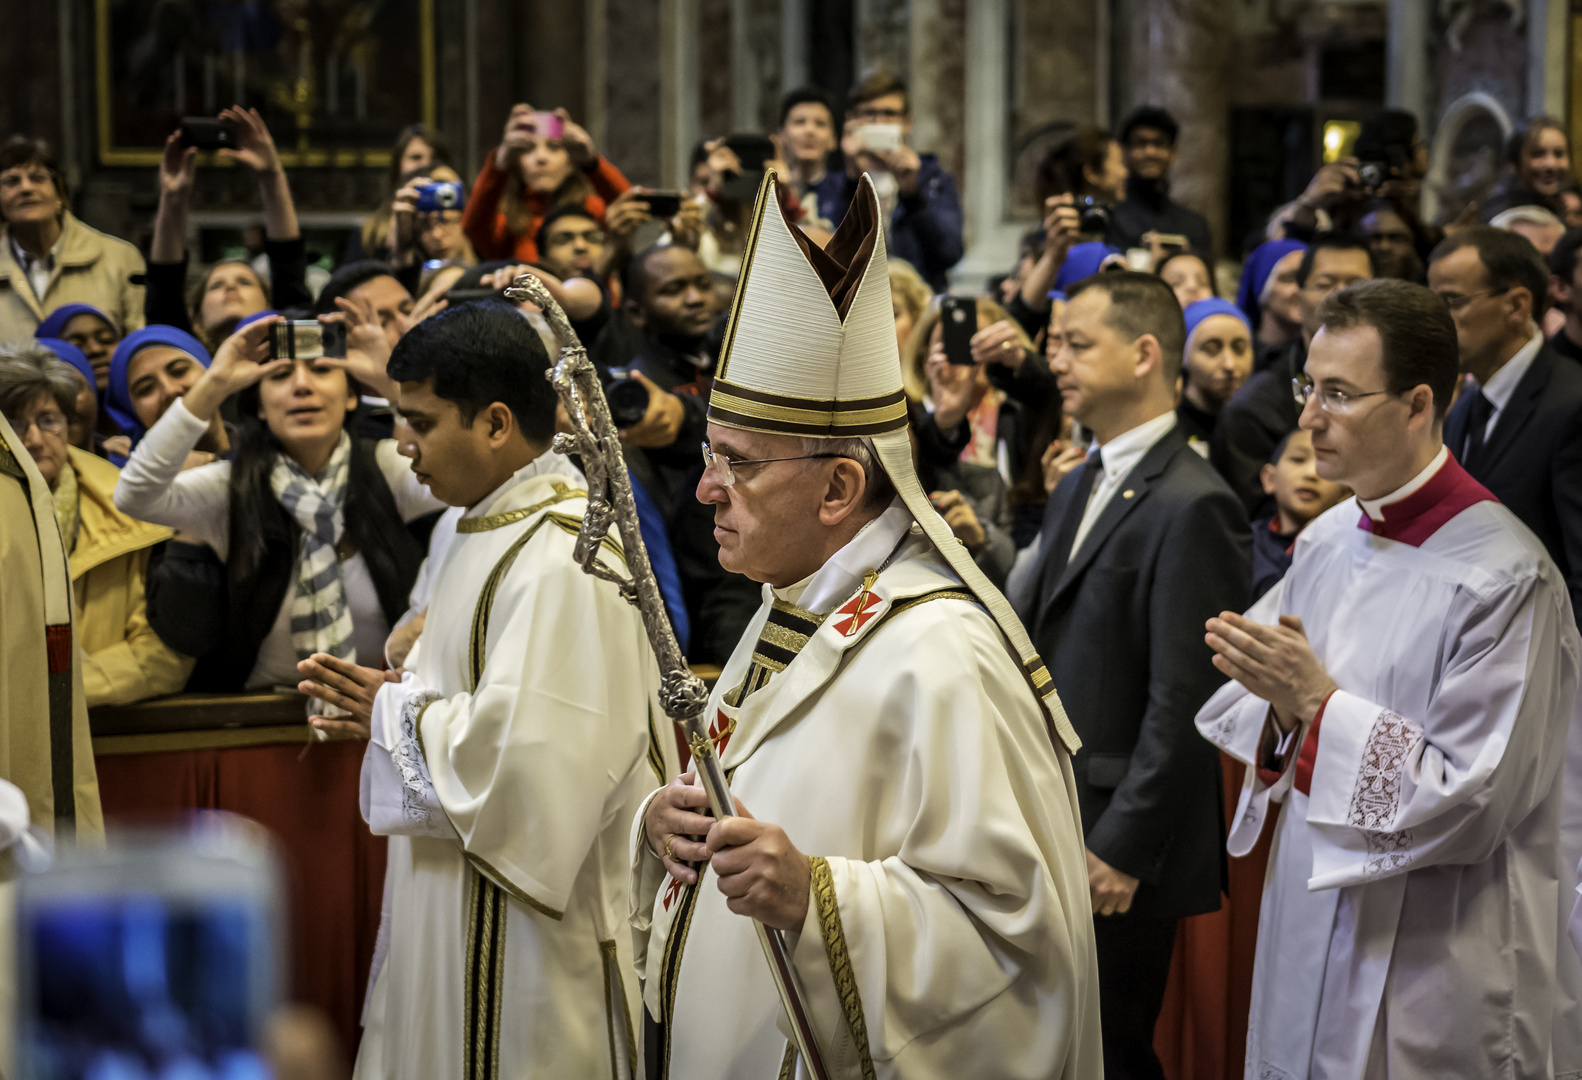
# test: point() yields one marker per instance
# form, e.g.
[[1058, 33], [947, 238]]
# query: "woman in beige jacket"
[[123, 660], [49, 258]]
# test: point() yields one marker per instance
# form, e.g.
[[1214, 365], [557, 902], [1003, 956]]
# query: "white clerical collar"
[[548, 463], [1374, 508], [839, 577], [1124, 451], [1502, 384]]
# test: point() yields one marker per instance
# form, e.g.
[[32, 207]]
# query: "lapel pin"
[[1128, 493]]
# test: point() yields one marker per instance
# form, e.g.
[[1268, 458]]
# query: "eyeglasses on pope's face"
[[724, 468], [1335, 402]]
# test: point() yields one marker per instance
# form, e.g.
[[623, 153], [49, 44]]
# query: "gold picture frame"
[[291, 157]]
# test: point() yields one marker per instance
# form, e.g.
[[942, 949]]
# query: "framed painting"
[[335, 80]]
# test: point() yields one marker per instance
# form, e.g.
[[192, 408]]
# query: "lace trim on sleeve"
[[1377, 796], [418, 798]]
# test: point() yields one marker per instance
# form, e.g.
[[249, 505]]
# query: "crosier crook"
[[681, 693]]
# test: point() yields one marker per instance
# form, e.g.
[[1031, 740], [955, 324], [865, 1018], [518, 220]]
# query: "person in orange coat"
[[530, 174]]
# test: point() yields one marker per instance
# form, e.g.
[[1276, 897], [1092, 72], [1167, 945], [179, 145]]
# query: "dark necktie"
[[1479, 409], [1059, 552]]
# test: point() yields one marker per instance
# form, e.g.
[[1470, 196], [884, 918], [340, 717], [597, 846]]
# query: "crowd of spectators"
[[147, 364], [202, 486]]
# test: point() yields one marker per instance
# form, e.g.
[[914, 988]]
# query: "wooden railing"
[[216, 721]]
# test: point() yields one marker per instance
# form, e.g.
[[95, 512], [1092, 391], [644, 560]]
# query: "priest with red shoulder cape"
[[1406, 692]]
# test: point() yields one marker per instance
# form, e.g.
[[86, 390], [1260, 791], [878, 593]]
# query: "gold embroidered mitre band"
[[810, 347]]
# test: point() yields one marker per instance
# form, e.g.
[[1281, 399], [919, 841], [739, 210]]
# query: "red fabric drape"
[[1202, 1029], [334, 867]]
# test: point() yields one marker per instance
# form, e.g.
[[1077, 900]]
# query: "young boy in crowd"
[[1300, 495]]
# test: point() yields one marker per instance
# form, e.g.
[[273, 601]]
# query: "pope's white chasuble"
[[882, 721], [506, 768], [1410, 914]]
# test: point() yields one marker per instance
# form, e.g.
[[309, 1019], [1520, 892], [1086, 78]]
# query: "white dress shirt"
[[1119, 456], [37, 269], [1502, 384]]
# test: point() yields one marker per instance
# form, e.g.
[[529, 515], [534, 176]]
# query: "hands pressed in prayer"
[[346, 686], [1275, 663], [761, 873], [1110, 890], [677, 814]]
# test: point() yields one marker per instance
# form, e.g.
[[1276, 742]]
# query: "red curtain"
[[306, 797], [1202, 1029]]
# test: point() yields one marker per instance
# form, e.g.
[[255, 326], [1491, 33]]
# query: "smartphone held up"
[[158, 957], [958, 320]]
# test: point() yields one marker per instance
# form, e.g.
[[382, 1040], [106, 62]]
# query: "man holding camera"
[[1148, 138], [916, 195]]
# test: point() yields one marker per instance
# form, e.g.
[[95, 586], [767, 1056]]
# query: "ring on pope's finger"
[[671, 855]]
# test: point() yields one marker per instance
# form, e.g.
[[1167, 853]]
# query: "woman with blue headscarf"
[[1268, 296], [151, 368], [1216, 361]]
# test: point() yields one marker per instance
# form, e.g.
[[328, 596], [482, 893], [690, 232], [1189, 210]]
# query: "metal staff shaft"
[[682, 694]]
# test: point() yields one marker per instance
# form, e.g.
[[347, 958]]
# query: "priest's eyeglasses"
[[725, 469], [1335, 402]]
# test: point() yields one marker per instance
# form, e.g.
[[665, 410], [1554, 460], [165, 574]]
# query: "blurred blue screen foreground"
[[138, 988]]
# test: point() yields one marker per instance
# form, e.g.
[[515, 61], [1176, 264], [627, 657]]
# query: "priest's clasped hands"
[[347, 686], [761, 873], [1275, 663]]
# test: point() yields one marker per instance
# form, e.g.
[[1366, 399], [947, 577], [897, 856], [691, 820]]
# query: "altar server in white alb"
[[1406, 692], [902, 763], [508, 762]]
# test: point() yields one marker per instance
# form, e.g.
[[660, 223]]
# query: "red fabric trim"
[[57, 644], [1309, 752], [1420, 515]]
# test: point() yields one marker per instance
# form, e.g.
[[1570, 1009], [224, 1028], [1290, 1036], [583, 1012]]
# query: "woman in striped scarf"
[[309, 521]]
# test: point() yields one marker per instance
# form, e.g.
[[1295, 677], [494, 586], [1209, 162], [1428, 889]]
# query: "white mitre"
[[810, 350]]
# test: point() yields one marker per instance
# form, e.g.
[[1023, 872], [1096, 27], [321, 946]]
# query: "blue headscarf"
[[1199, 310], [117, 399], [73, 356], [54, 323], [1083, 260], [1255, 275]]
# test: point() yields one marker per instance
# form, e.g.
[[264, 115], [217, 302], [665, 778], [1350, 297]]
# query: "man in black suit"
[[1259, 416], [1519, 431], [1138, 547]]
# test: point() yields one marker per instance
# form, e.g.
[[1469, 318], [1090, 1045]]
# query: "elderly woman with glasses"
[[123, 659]]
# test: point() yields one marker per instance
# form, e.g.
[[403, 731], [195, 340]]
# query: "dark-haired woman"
[[1189, 275], [417, 147], [231, 289], [308, 520], [1088, 166], [1538, 170], [528, 175], [48, 257]]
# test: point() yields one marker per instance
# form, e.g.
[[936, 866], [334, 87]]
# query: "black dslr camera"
[[1096, 215], [626, 396]]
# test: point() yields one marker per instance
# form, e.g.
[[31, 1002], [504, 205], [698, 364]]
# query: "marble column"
[[1177, 55]]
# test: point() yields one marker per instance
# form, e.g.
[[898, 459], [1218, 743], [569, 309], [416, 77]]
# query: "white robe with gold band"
[[949, 932], [506, 768]]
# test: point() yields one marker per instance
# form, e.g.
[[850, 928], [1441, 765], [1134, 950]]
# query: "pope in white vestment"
[[1410, 913], [506, 767], [890, 715]]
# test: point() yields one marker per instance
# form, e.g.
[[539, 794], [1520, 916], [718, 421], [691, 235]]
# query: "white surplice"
[[949, 933], [1410, 910], [506, 768]]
